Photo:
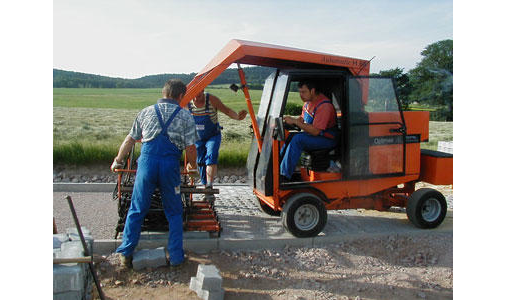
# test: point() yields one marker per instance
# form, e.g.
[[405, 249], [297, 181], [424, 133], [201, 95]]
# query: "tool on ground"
[[85, 248]]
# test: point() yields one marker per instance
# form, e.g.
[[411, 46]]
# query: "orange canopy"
[[253, 53]]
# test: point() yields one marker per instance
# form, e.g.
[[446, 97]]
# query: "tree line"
[[69, 79], [430, 83]]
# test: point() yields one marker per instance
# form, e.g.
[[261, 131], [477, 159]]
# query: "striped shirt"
[[201, 111], [182, 132]]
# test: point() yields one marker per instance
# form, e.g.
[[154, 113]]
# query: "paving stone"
[[68, 277], [149, 258], [72, 295], [207, 283], [58, 239]]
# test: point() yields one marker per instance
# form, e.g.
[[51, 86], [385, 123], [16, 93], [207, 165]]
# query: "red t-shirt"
[[325, 116]]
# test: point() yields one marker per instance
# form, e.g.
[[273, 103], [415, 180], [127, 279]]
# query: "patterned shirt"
[[201, 111], [182, 132]]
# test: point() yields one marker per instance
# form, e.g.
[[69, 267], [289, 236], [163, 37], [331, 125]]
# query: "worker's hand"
[[116, 165], [242, 115], [193, 173], [290, 120]]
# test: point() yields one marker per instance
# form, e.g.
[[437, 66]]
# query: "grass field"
[[90, 124]]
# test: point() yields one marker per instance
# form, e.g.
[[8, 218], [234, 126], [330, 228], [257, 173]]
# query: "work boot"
[[168, 261], [126, 261]]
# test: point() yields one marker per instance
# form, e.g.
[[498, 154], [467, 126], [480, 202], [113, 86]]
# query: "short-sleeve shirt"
[[325, 116], [182, 132]]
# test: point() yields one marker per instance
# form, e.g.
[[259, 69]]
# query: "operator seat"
[[319, 160]]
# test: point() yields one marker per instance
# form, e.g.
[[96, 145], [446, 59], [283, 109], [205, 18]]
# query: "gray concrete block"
[[72, 295], [207, 283], [71, 249], [58, 239], [56, 253], [149, 258], [68, 278], [208, 278], [73, 230]]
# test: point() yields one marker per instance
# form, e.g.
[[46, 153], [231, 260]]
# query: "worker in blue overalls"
[[166, 130], [318, 122], [204, 109]]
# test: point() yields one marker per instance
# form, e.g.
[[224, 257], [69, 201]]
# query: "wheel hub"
[[306, 217], [431, 209]]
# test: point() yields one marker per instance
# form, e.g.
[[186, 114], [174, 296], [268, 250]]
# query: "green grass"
[[90, 124]]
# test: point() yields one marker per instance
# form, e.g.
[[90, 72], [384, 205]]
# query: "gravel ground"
[[391, 267]]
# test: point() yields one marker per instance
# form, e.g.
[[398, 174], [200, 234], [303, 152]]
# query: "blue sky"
[[131, 39]]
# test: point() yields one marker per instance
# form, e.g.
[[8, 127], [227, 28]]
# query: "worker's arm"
[[191, 167], [301, 124], [191, 154], [125, 148], [215, 101]]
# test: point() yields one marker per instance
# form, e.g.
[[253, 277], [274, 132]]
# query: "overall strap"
[[315, 109], [164, 126], [206, 102]]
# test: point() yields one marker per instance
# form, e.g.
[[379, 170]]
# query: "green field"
[[90, 124]]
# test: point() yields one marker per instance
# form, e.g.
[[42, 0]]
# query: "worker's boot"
[[168, 260], [126, 261]]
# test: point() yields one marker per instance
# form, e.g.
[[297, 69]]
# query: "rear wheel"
[[426, 208], [304, 215]]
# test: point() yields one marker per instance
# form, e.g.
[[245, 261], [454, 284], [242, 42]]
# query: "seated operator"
[[318, 122]]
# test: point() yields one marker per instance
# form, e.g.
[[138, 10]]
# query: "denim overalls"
[[209, 138], [305, 141], [158, 166]]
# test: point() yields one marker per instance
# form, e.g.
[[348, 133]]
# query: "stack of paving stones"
[[207, 283], [72, 281]]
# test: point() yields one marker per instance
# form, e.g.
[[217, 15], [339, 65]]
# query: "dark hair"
[[173, 88], [310, 84]]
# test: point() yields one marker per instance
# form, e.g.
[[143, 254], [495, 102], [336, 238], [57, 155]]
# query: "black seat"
[[319, 160]]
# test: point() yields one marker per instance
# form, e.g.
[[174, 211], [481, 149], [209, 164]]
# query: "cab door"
[[375, 133]]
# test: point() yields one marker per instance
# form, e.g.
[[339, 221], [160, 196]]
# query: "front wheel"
[[304, 215], [426, 208]]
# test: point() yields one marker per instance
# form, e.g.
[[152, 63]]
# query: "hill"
[[69, 79]]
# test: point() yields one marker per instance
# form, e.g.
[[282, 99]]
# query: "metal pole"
[[85, 248]]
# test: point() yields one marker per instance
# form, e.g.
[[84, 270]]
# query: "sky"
[[131, 39]]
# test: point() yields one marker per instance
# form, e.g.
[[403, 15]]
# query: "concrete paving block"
[[72, 295], [56, 253], [73, 230], [149, 258], [58, 239], [71, 249], [201, 245], [208, 277], [68, 278], [215, 295]]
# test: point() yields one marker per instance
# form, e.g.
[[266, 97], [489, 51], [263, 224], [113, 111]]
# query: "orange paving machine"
[[378, 146]]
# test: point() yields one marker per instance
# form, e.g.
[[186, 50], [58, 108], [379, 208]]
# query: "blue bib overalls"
[[158, 166], [298, 142], [209, 139]]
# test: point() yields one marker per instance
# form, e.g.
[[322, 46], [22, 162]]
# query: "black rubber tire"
[[426, 208], [266, 209], [312, 204]]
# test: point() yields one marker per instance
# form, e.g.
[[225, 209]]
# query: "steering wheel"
[[291, 127]]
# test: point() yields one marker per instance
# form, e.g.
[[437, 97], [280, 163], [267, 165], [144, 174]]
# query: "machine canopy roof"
[[260, 54]]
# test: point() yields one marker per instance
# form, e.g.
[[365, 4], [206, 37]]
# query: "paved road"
[[239, 216]]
